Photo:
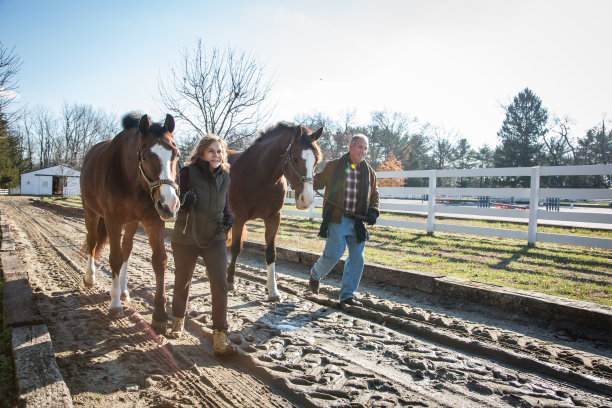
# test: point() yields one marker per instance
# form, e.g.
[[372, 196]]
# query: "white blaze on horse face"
[[168, 194], [307, 196]]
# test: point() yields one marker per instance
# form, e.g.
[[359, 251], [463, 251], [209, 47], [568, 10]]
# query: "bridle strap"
[[152, 185], [301, 179]]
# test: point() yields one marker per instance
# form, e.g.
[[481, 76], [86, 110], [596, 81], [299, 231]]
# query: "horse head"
[[300, 159], [158, 165]]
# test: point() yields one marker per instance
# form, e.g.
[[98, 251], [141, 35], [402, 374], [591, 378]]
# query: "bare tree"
[[218, 91], [82, 128], [44, 135], [9, 67], [443, 148], [392, 132], [558, 143]]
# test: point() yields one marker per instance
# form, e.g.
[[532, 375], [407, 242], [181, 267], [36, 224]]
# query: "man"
[[351, 197]]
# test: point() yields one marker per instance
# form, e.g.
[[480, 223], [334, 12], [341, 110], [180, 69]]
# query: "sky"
[[452, 64]]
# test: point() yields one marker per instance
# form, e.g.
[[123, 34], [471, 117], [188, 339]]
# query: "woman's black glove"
[[371, 216], [189, 199], [228, 221]]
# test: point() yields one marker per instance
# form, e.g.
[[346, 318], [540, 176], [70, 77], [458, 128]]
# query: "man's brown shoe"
[[313, 285], [350, 302]]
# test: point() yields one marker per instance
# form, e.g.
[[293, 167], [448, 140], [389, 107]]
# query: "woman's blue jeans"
[[340, 236]]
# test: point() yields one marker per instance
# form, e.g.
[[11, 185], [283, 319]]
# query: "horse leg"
[[155, 231], [91, 224], [236, 248], [115, 259], [271, 225], [126, 250]]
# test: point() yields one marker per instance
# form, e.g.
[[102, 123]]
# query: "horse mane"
[[132, 120], [305, 140]]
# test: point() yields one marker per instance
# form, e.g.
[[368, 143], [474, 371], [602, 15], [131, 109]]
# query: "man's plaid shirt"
[[350, 187]]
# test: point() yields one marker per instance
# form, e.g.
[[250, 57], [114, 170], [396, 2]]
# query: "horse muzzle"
[[305, 198], [165, 212]]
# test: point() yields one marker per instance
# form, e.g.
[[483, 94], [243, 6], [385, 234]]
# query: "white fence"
[[4, 191], [72, 191], [529, 213]]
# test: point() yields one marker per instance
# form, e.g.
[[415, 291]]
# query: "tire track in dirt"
[[316, 354], [131, 334]]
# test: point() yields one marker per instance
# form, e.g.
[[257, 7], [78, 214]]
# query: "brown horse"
[[125, 180], [258, 186]]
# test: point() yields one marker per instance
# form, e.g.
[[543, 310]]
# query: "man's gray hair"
[[360, 136]]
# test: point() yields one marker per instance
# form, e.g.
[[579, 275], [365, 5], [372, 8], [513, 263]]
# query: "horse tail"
[[102, 239], [131, 120]]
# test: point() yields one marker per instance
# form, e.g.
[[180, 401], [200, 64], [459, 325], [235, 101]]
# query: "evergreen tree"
[[10, 157], [520, 134]]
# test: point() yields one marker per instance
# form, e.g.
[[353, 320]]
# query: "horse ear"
[[316, 135], [169, 123], [144, 125], [297, 134]]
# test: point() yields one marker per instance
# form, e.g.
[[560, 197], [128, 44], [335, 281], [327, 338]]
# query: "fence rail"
[[406, 200], [4, 191]]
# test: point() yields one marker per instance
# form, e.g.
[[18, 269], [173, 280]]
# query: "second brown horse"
[[258, 185]]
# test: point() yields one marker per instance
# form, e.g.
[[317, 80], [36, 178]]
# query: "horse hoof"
[[231, 287], [158, 327], [274, 298], [87, 284], [115, 312], [125, 297]]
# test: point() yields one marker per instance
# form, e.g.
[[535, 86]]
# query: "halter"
[[157, 183], [301, 179]]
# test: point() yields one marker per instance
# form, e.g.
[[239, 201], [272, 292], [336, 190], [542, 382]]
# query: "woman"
[[200, 229]]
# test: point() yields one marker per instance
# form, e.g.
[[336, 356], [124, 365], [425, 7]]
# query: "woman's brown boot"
[[221, 345], [177, 328]]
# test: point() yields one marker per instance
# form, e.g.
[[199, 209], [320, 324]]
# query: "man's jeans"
[[339, 236]]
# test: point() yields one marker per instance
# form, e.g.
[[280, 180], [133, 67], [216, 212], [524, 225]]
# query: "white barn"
[[51, 181]]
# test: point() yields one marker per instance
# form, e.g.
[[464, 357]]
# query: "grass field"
[[562, 270]]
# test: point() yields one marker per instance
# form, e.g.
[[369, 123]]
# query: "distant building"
[[51, 181]]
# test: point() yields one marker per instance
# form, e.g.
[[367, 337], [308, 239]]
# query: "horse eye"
[[295, 160]]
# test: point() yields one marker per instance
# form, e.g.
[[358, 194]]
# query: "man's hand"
[[371, 216], [189, 199]]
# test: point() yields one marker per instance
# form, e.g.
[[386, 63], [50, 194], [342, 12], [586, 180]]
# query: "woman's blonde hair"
[[205, 141]]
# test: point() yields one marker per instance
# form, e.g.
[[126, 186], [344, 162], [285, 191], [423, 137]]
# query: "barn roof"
[[55, 171]]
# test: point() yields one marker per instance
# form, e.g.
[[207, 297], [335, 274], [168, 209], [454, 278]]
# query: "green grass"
[[8, 389], [562, 270]]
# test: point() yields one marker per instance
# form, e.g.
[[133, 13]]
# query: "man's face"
[[358, 150]]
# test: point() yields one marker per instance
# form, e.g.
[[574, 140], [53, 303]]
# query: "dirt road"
[[403, 348]]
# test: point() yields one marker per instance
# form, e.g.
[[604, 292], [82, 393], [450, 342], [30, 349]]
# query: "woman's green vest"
[[206, 215]]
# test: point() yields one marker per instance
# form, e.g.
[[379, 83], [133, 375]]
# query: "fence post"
[[311, 210], [431, 205], [534, 199]]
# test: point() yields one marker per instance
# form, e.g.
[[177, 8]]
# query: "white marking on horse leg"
[[273, 292], [123, 279], [116, 308], [168, 194], [90, 272]]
